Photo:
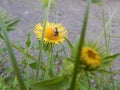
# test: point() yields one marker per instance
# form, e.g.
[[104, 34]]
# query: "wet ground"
[[70, 14]]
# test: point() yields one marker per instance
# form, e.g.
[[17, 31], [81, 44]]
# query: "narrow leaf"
[[10, 28], [114, 56], [33, 65], [79, 48], [28, 41], [22, 50], [1, 36], [12, 55], [52, 84], [69, 43], [104, 71], [12, 23]]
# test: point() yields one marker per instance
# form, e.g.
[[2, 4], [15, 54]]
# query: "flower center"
[[51, 34], [91, 54]]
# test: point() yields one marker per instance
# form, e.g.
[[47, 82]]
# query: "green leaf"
[[28, 41], [12, 55], [1, 36], [13, 22], [92, 45], [51, 72], [71, 47], [33, 65], [77, 42], [9, 22], [52, 84], [83, 85], [104, 71], [114, 56], [22, 50], [56, 56], [68, 59], [108, 62], [10, 28], [35, 45], [79, 48], [69, 43]]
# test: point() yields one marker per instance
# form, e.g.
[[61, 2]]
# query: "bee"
[[56, 32]]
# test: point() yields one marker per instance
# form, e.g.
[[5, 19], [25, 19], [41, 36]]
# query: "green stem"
[[41, 43], [88, 79], [77, 86], [81, 41], [48, 65], [107, 41], [12, 56], [104, 26], [64, 50], [22, 50], [101, 81], [112, 79]]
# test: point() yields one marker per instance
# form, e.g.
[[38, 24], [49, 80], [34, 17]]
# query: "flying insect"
[[56, 32]]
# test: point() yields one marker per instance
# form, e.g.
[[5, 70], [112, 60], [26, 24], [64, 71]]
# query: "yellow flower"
[[90, 57], [54, 33]]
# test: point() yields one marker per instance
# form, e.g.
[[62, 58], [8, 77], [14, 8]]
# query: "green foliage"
[[10, 23], [33, 65], [56, 83], [53, 69], [3, 30], [28, 41]]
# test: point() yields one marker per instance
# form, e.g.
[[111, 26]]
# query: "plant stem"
[[88, 79], [48, 65], [78, 54], [78, 80], [41, 43], [107, 41], [112, 79], [104, 26], [12, 56], [101, 82]]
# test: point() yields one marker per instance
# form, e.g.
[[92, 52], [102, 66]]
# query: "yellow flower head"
[[54, 33], [90, 57]]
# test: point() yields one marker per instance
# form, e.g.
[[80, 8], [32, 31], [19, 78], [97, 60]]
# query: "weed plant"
[[88, 67]]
